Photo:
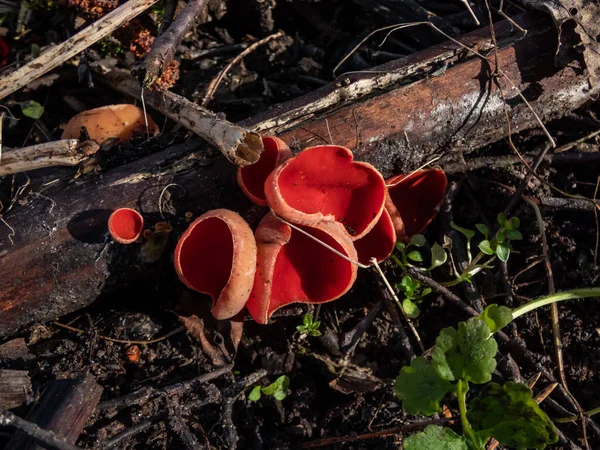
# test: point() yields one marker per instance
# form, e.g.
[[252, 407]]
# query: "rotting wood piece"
[[15, 388], [60, 263], [64, 408]]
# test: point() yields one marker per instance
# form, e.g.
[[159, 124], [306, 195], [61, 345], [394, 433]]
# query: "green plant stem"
[[558, 297], [462, 387], [569, 419]]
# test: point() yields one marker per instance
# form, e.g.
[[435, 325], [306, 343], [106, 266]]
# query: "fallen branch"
[[67, 152], [163, 47], [370, 114], [59, 54]]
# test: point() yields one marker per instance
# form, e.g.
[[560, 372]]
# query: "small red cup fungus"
[[217, 256], [125, 225], [414, 200], [291, 267], [252, 178], [378, 243], [324, 184]]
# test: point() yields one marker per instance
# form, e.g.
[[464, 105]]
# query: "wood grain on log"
[[15, 388], [59, 261], [64, 408]]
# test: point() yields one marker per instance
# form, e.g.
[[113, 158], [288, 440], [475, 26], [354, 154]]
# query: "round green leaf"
[[435, 437], [438, 256], [514, 235], [415, 256], [418, 240], [32, 109], [410, 308], [254, 394], [483, 229], [503, 252], [485, 247]]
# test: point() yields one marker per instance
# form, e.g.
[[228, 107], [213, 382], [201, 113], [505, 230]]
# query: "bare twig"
[[48, 438], [238, 145], [67, 152], [55, 56], [164, 46], [214, 84]]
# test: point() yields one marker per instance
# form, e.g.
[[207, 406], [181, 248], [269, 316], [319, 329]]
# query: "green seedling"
[[467, 355], [278, 389], [309, 327], [32, 109], [413, 295]]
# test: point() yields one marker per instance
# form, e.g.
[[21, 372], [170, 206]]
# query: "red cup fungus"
[[217, 256], [414, 200], [125, 225], [378, 243], [291, 267], [252, 178], [324, 184]]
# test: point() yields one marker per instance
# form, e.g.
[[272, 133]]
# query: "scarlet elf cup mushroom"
[[125, 225], [332, 202]]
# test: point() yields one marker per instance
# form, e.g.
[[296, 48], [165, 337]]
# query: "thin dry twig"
[[124, 341], [59, 54], [214, 84], [163, 47]]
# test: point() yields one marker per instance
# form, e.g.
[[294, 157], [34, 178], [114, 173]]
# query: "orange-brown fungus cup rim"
[[217, 256], [293, 268], [251, 178], [325, 184], [125, 225]]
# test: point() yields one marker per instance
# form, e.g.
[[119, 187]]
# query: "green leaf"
[[501, 219], [515, 222], [316, 325], [400, 246], [415, 256], [435, 437], [467, 354], [278, 389], [314, 333], [483, 229], [32, 109], [254, 394], [500, 237], [426, 291], [514, 235], [438, 256], [469, 234], [496, 317], [410, 309], [485, 247], [420, 388], [307, 320], [503, 251], [301, 328], [418, 240], [510, 415]]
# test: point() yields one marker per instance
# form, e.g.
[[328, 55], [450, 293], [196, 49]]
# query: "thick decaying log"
[[64, 408], [59, 261]]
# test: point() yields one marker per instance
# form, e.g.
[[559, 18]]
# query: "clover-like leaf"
[[503, 251], [254, 395], [410, 308], [510, 415], [514, 235], [435, 437], [465, 354], [483, 229], [438, 256], [496, 317], [418, 240], [421, 388], [501, 219], [32, 109], [278, 389], [469, 234], [415, 256], [486, 247]]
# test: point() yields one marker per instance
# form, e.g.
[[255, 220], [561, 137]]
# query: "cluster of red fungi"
[[342, 203]]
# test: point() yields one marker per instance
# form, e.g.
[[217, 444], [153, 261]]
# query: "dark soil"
[[334, 392]]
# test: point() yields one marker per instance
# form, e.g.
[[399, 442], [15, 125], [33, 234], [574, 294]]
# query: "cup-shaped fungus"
[[217, 256], [414, 200], [125, 225], [324, 184], [292, 267], [113, 122], [378, 243], [252, 178]]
